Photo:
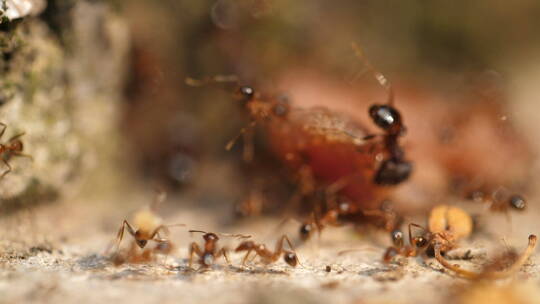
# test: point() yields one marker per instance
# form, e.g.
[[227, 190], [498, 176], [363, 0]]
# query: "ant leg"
[[193, 248], [8, 169], [120, 234], [223, 252], [156, 231], [279, 245], [248, 145], [231, 143], [16, 136], [244, 260], [4, 127], [24, 155]]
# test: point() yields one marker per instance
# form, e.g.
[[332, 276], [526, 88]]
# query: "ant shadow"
[[94, 262], [256, 270]]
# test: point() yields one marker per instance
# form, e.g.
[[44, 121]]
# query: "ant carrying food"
[[321, 148], [447, 225], [148, 224], [13, 147], [266, 256], [210, 252]]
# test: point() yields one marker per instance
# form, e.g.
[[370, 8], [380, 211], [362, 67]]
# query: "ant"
[[266, 256], [13, 147], [395, 169], [447, 225], [210, 253], [148, 225]]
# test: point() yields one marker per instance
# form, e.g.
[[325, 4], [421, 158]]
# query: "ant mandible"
[[266, 256], [13, 147]]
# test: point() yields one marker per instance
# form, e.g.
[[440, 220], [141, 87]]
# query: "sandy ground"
[[56, 253]]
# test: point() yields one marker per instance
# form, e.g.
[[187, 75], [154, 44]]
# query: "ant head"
[[420, 241], [305, 231], [393, 172], [246, 93], [247, 245], [141, 243], [397, 238], [210, 237], [290, 258], [16, 145], [517, 202], [387, 118]]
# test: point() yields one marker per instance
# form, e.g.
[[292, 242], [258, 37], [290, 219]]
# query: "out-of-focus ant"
[[500, 200], [148, 224], [13, 147], [447, 225], [266, 256], [394, 169], [210, 252], [323, 148]]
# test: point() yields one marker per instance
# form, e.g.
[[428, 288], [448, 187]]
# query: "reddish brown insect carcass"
[[329, 151]]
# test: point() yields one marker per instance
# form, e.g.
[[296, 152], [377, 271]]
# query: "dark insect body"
[[13, 147]]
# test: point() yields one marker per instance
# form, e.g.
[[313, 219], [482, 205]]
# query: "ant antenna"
[[237, 235], [383, 81], [243, 131], [211, 80], [199, 231]]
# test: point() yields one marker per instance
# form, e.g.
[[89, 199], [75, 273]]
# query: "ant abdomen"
[[393, 172]]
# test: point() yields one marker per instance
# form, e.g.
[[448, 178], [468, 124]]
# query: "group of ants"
[[446, 224]]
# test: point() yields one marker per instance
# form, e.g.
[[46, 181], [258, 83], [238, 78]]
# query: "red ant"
[[13, 147], [266, 256], [210, 253], [447, 225]]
